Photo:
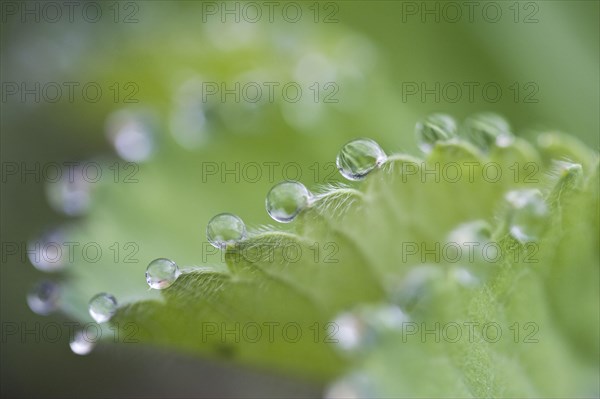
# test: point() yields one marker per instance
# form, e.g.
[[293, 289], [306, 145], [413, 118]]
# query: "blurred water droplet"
[[527, 215], [478, 231], [71, 192], [102, 307], [242, 117], [81, 344], [387, 317], [286, 200], [350, 331], [225, 229], [417, 287], [360, 329], [434, 128], [464, 277], [546, 140], [314, 67], [358, 158], [131, 134], [161, 273], [187, 124], [475, 251], [188, 121], [354, 55], [232, 35], [47, 253], [504, 140], [44, 297], [353, 386], [487, 129], [471, 238], [305, 115]]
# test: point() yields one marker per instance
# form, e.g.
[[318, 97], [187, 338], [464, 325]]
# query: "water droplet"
[[361, 328], [48, 253], [131, 135], [470, 238], [487, 129], [358, 158], [528, 214], [434, 128], [286, 200], [224, 230], [161, 273], [350, 331], [314, 67], [417, 287], [470, 244], [188, 121], [81, 344], [70, 193], [102, 307], [353, 386], [477, 231], [387, 317], [464, 277], [44, 297]]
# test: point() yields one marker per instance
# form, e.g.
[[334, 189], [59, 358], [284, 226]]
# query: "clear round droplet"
[[528, 214], [225, 229], [102, 307], [286, 200], [358, 158], [487, 129], [161, 273], [434, 128], [81, 344], [48, 253], [44, 297]]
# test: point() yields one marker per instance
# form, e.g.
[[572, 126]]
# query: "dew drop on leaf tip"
[[286, 200], [527, 215], [82, 344], [161, 273], [434, 128], [102, 307], [486, 130], [224, 230], [359, 157]]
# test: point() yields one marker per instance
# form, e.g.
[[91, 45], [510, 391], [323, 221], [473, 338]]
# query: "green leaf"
[[272, 301]]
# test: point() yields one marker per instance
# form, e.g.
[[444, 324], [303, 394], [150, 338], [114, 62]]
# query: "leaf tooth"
[[564, 176]]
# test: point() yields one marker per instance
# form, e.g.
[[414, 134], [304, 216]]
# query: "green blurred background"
[[372, 51]]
